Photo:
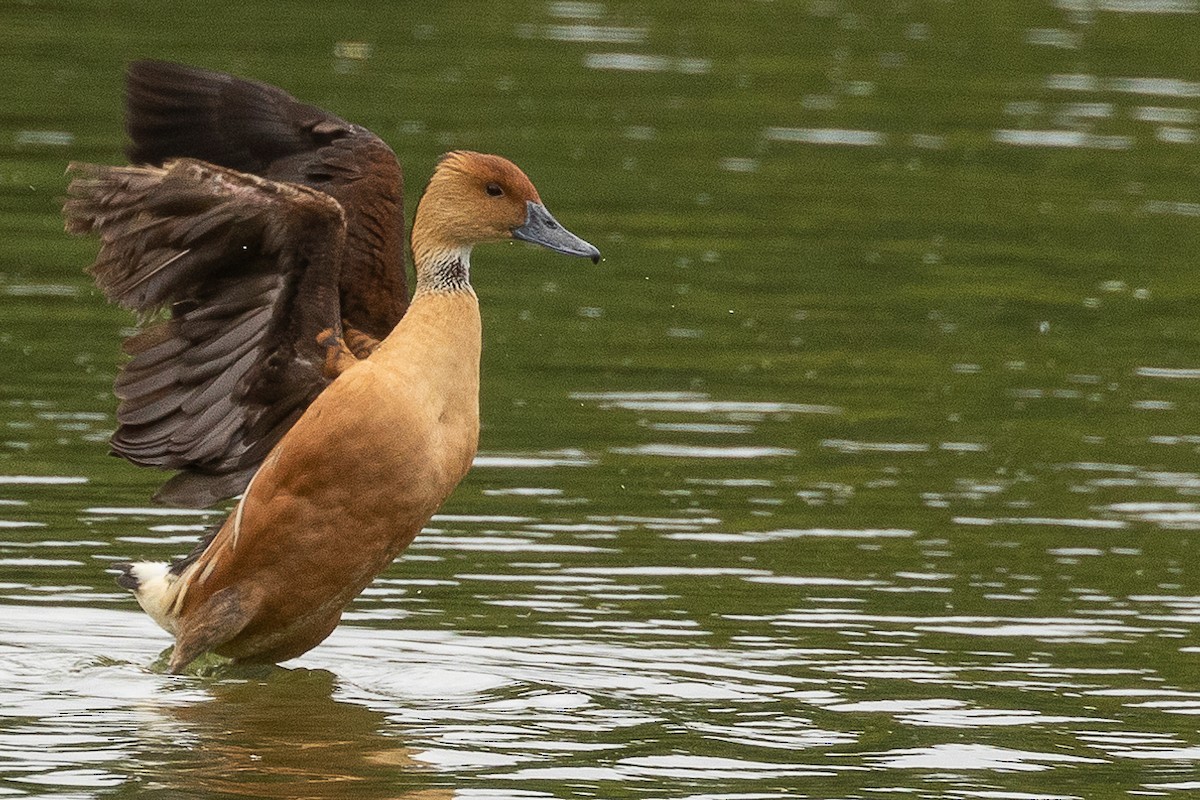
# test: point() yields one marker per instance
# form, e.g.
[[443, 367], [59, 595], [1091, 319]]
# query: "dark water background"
[[865, 465]]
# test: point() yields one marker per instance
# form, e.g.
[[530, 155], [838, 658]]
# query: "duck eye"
[[494, 189]]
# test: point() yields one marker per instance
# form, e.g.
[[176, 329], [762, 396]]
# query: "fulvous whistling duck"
[[261, 241]]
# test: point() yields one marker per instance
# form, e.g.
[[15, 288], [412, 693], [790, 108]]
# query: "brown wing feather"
[[248, 270], [175, 111]]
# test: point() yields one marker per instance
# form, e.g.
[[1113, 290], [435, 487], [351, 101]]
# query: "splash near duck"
[[261, 241]]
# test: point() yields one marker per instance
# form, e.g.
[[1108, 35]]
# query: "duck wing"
[[175, 111], [235, 279]]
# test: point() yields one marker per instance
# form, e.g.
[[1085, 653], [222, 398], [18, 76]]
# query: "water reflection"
[[280, 735], [113, 723], [956, 757]]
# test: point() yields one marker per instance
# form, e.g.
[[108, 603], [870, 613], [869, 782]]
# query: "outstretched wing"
[[236, 280], [175, 111]]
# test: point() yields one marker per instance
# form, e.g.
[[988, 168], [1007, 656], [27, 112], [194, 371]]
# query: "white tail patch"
[[157, 591]]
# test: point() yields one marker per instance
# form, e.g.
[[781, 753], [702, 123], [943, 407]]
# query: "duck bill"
[[542, 228]]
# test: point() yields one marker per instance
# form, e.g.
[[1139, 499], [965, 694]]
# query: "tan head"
[[474, 198]]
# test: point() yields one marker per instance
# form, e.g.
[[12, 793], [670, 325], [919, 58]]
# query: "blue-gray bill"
[[542, 228]]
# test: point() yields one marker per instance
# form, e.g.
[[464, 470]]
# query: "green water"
[[865, 464]]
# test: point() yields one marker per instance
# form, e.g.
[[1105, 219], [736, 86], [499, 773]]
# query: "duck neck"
[[442, 327], [443, 271], [442, 261]]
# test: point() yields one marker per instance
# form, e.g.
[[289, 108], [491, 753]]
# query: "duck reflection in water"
[[291, 365], [279, 734]]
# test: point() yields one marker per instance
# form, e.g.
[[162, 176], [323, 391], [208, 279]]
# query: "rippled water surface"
[[866, 464]]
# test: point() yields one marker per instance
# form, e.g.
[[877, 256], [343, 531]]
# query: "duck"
[[279, 356]]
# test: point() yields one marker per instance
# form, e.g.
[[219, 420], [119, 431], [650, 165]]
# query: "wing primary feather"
[[151, 273]]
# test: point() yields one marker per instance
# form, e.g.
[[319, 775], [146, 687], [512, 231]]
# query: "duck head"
[[474, 198]]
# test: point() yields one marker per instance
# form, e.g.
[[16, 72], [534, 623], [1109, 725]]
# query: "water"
[[865, 464]]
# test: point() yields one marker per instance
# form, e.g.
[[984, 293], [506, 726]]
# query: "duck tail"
[[154, 585]]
